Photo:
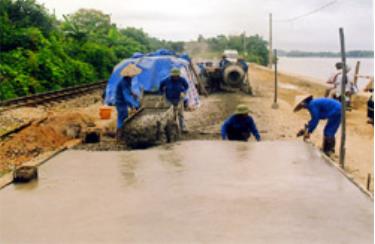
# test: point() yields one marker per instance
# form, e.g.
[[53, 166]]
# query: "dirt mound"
[[43, 135]]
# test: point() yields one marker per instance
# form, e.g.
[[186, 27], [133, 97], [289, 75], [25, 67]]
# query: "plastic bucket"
[[105, 113]]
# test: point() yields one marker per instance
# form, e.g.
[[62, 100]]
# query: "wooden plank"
[[356, 72]]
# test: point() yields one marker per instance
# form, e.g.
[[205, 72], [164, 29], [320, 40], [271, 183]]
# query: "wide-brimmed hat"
[[241, 109], [130, 70], [175, 71], [299, 100]]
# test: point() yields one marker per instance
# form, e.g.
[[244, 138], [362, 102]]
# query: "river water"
[[321, 69]]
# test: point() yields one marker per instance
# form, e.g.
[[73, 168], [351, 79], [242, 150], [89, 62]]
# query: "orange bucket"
[[105, 112]]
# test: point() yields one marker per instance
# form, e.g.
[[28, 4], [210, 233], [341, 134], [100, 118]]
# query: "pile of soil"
[[14, 118], [43, 135]]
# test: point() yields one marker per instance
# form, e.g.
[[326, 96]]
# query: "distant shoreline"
[[280, 56], [325, 54]]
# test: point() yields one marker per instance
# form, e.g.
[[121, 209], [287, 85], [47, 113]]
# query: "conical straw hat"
[[299, 100], [130, 70]]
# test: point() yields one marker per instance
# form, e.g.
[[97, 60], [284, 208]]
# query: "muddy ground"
[[203, 123]]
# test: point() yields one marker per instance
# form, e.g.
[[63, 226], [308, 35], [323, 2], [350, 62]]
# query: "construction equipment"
[[153, 124], [229, 76]]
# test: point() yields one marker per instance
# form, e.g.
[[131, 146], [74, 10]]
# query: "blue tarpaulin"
[[155, 67]]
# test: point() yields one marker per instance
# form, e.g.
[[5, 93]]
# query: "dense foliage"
[[39, 53], [252, 48]]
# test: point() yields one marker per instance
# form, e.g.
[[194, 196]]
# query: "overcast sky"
[[185, 20]]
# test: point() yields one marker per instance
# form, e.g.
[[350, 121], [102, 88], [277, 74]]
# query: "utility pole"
[[270, 43], [244, 43], [343, 99], [275, 105]]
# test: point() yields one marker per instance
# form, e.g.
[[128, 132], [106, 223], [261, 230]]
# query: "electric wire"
[[308, 13]]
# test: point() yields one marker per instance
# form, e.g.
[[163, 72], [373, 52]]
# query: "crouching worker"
[[321, 109], [239, 126], [125, 97], [174, 87]]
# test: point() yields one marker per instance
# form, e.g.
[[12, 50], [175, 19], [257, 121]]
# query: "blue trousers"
[[122, 114], [332, 125]]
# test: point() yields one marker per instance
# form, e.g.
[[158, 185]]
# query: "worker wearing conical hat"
[[320, 109], [124, 94], [239, 126]]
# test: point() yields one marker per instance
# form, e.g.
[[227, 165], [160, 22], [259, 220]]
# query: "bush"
[[38, 53], [100, 57]]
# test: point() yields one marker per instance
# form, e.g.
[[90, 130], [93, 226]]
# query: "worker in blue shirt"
[[244, 65], [175, 87], [125, 97], [321, 109], [223, 62], [239, 126], [202, 69]]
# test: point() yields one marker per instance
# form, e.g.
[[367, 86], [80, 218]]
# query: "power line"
[[308, 13]]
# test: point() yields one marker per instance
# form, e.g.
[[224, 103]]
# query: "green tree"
[[39, 53], [138, 35], [90, 22], [27, 13], [254, 48]]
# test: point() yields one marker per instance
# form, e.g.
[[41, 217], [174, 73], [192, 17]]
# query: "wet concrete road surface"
[[192, 192]]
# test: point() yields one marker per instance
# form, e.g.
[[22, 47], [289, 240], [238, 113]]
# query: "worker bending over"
[[125, 97], [320, 109], [239, 126], [175, 87]]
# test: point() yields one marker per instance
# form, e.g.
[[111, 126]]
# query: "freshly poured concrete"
[[192, 192]]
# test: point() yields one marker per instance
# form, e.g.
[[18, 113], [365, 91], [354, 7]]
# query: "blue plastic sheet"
[[185, 56], [162, 52], [137, 55], [155, 67]]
